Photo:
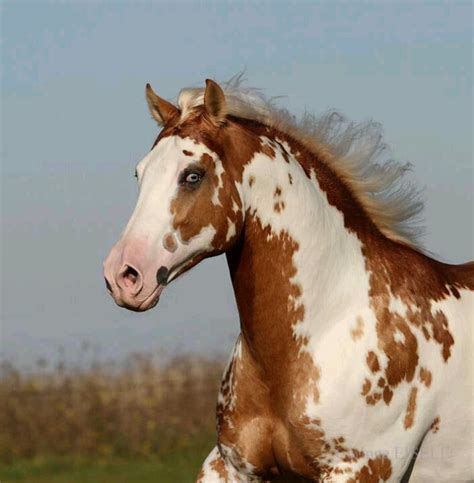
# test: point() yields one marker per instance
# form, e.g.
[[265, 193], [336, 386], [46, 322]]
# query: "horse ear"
[[214, 100], [161, 110]]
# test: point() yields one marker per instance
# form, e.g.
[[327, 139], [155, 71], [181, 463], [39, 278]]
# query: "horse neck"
[[297, 269]]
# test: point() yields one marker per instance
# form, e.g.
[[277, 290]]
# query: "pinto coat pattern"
[[355, 346]]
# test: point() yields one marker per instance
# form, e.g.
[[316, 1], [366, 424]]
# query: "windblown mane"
[[355, 152]]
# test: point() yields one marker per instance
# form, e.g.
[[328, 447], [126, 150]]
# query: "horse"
[[354, 359]]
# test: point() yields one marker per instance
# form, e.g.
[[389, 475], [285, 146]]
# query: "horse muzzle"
[[133, 281]]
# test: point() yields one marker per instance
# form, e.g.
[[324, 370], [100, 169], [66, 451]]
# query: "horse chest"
[[269, 429], [261, 439], [255, 440], [265, 430]]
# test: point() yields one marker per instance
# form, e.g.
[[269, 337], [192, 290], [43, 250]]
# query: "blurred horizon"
[[74, 123]]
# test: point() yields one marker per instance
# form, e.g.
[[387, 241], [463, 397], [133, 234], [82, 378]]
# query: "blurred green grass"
[[176, 467]]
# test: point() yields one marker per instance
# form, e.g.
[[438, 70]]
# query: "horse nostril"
[[162, 275], [107, 285], [130, 276]]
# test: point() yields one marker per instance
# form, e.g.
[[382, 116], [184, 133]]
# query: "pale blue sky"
[[74, 123]]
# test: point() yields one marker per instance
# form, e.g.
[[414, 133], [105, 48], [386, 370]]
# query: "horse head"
[[189, 205]]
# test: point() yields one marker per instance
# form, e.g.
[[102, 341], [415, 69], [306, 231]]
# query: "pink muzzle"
[[133, 276]]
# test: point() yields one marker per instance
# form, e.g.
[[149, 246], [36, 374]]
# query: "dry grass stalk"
[[139, 408]]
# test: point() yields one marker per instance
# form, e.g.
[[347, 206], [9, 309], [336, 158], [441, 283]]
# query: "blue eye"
[[193, 177]]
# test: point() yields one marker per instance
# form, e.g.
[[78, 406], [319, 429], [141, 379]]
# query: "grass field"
[[180, 467], [138, 421]]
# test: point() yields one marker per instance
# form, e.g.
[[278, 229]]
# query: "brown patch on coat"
[[187, 153], [200, 476], [268, 151], [352, 456], [251, 180], [411, 408], [376, 470], [435, 425], [387, 395], [425, 376], [373, 361], [275, 306], [193, 209], [382, 391], [169, 242], [218, 466], [366, 387], [283, 151], [279, 206], [373, 399], [358, 331]]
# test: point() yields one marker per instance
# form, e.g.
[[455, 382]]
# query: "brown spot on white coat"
[[435, 425], [358, 331], [268, 151], [425, 376], [411, 409], [169, 242], [373, 361], [377, 469]]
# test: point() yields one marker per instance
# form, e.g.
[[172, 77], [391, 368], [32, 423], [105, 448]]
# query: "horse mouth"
[[152, 300], [146, 304], [164, 278]]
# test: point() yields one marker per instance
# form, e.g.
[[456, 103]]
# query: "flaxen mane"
[[355, 151]]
